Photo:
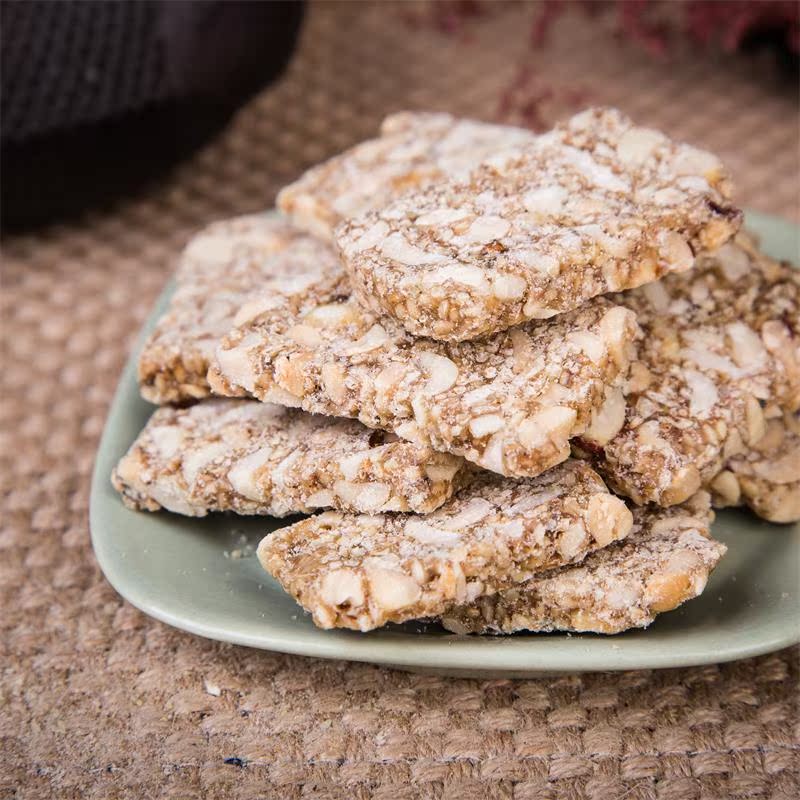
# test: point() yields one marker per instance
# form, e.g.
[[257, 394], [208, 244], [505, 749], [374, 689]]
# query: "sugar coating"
[[362, 571], [259, 458], [596, 205], [665, 561], [767, 476], [218, 269], [718, 357], [509, 403], [414, 149]]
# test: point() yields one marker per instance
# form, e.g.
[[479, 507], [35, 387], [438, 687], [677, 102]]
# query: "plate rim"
[[448, 652]]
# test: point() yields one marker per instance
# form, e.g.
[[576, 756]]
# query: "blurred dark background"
[[100, 97]]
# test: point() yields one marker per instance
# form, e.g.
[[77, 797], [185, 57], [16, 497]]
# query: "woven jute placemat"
[[98, 701]]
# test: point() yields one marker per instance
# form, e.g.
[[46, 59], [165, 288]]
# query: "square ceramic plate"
[[182, 572]]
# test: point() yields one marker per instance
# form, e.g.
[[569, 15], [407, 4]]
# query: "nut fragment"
[[508, 287], [445, 471], [747, 349], [321, 499], [291, 371], [666, 590], [329, 316], [756, 424], [572, 542], [552, 424], [591, 345], [607, 420], [235, 363], [608, 519], [364, 496], [615, 329], [371, 340], [304, 334], [442, 372], [392, 590], [676, 251], [351, 464], [333, 379], [727, 488], [639, 378], [342, 587], [486, 424], [685, 482], [636, 145]]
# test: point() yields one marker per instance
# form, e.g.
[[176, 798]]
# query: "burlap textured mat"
[[98, 701]]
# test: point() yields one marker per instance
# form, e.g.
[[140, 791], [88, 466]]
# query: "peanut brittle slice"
[[217, 270], [767, 476], [720, 354], [259, 458], [363, 571], [414, 149], [665, 561], [597, 205], [510, 402]]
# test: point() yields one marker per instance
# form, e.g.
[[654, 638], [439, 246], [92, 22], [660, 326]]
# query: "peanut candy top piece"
[[720, 354], [510, 402], [414, 149], [361, 572], [258, 458], [665, 561], [766, 477], [217, 270], [596, 205]]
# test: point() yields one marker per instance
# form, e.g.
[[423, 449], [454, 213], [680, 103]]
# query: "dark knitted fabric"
[[72, 63], [98, 97]]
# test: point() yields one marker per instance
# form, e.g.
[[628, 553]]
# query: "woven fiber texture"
[[99, 701]]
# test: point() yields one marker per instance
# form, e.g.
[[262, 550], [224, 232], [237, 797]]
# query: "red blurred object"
[[653, 24]]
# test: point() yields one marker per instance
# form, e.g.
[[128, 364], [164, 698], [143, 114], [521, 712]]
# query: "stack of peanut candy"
[[513, 371]]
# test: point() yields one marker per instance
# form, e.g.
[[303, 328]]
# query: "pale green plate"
[[180, 571]]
